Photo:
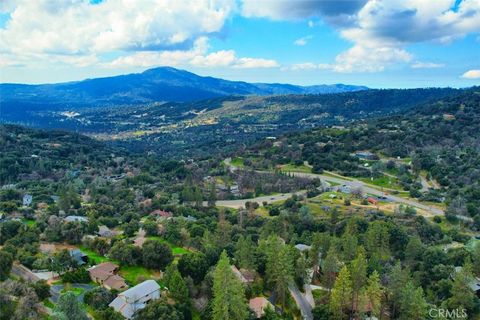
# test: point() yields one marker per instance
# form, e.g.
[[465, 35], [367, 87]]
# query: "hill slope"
[[153, 85]]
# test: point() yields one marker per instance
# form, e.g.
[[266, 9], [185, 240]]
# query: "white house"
[[136, 298], [27, 200]]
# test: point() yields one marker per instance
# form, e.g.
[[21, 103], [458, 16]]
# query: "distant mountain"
[[153, 85]]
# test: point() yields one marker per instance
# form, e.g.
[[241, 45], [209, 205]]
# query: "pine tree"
[[177, 287], [228, 293], [341, 297], [462, 294], [330, 267], [358, 271], [69, 307], [374, 293], [412, 303], [245, 253]]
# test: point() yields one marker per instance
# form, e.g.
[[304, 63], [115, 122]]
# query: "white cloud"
[[379, 30], [472, 74], [361, 58], [78, 27], [302, 41], [426, 65], [309, 66], [384, 28], [197, 57]]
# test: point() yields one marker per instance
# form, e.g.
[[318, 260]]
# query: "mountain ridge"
[[152, 85]]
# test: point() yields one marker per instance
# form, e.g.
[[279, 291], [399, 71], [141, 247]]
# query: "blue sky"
[[381, 44]]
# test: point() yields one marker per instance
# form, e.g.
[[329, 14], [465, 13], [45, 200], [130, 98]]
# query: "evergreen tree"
[[341, 297], [374, 293], [358, 272], [330, 267], [245, 253], [462, 294], [228, 293], [412, 303], [177, 287], [69, 307]]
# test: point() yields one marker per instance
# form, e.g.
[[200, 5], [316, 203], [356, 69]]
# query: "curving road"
[[335, 179]]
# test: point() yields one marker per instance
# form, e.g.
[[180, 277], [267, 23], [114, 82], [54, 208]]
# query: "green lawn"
[[28, 222], [383, 182], [76, 291], [175, 249], [135, 274], [93, 257], [237, 162], [294, 168]]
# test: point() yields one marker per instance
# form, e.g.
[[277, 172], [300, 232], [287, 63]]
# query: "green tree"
[[69, 307], [98, 298], [194, 265], [279, 266], [412, 303], [341, 297], [377, 240], [462, 293], [245, 253], [374, 293], [476, 259], [330, 267], [158, 310], [176, 285], [6, 261], [413, 251], [358, 272], [228, 293], [42, 289], [156, 255]]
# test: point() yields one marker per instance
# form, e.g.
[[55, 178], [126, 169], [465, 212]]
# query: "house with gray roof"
[[136, 298]]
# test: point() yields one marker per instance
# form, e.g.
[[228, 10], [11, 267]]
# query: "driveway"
[[302, 302]]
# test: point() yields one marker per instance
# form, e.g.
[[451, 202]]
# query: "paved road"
[[351, 183], [302, 303], [24, 273], [370, 190], [241, 202]]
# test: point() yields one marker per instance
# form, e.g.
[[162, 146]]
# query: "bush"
[[80, 275]]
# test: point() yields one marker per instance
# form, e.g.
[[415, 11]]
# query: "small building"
[[258, 305], [136, 298], [372, 200], [161, 214], [106, 275], [345, 189], [27, 200], [302, 247], [75, 219], [79, 257], [244, 275], [104, 231]]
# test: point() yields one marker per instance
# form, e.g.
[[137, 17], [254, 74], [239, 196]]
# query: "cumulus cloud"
[[302, 41], [197, 57], [380, 30], [472, 74], [335, 12], [79, 27]]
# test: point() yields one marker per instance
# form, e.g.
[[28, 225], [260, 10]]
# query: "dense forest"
[[317, 253]]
